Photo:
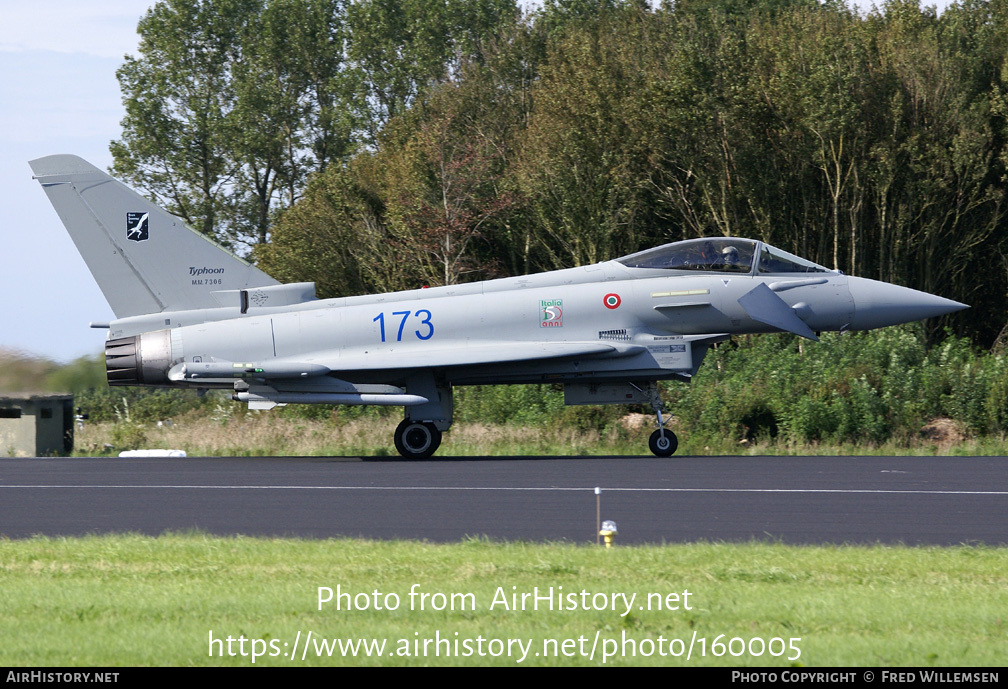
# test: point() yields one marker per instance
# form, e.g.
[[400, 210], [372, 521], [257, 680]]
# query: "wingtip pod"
[[879, 304]]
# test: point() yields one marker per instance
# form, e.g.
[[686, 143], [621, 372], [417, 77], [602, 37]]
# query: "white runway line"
[[841, 491]]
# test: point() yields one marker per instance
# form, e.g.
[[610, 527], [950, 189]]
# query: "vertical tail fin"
[[144, 259]]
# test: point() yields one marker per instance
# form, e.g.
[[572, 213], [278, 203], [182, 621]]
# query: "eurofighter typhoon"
[[191, 315]]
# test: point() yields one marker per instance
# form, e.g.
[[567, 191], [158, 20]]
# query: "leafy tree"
[[180, 101], [385, 144], [231, 104], [582, 157], [399, 48], [279, 81], [338, 235], [447, 188]]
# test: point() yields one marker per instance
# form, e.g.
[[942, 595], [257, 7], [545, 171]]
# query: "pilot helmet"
[[729, 254]]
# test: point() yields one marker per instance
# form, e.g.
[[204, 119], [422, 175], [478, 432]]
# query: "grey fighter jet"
[[190, 314]]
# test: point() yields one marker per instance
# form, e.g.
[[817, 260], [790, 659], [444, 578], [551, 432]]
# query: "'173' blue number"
[[425, 332]]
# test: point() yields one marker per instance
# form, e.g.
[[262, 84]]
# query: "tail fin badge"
[[136, 226]]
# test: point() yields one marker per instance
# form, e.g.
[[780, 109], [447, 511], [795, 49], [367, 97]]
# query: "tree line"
[[382, 144]]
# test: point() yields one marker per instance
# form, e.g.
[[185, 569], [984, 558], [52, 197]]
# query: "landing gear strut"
[[416, 439], [663, 442], [418, 436]]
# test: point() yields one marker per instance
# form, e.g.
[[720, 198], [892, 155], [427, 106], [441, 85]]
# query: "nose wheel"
[[663, 442], [416, 439]]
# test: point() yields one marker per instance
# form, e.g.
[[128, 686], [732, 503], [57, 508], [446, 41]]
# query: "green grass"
[[132, 600], [270, 434]]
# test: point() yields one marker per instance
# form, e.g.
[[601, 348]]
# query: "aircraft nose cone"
[[878, 304]]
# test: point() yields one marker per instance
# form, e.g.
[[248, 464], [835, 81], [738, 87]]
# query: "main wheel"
[[663, 445], [415, 440], [436, 434]]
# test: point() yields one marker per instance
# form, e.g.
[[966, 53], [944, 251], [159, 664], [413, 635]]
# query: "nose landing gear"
[[663, 442]]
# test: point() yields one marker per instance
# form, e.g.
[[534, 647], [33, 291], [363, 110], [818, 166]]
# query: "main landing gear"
[[416, 439], [418, 435], [663, 442]]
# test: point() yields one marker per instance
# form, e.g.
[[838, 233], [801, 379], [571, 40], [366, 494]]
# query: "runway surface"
[[799, 500]]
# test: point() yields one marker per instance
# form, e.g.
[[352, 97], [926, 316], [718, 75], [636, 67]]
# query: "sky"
[[58, 94]]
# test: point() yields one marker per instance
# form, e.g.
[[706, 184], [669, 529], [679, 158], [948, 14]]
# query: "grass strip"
[[140, 601], [262, 434]]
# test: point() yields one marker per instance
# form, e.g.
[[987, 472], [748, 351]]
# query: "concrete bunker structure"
[[36, 424]]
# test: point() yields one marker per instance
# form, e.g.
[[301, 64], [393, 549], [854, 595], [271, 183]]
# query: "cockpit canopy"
[[723, 255]]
